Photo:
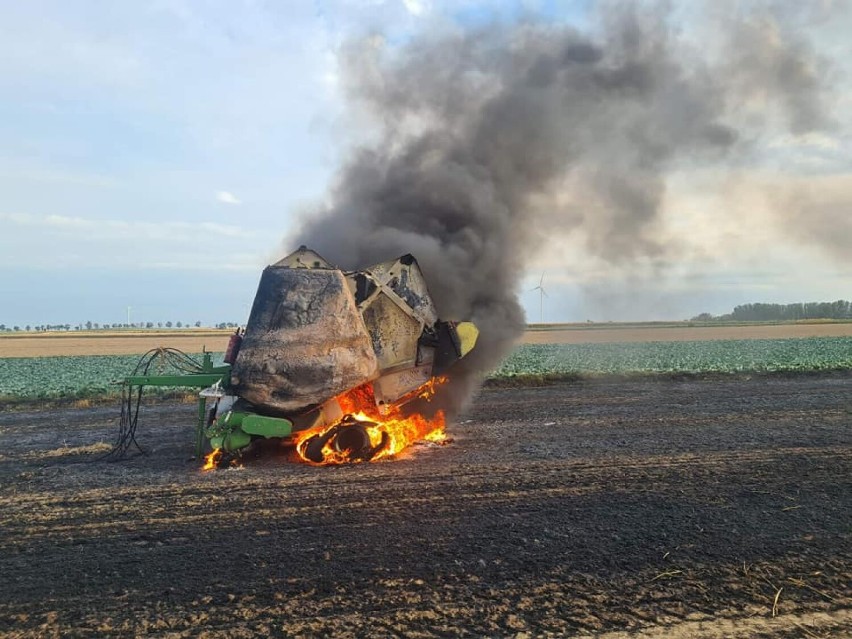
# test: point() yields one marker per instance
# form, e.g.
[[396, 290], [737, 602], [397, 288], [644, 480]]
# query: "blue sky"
[[155, 155]]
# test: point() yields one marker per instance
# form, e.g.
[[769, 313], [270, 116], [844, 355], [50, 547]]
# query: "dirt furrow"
[[659, 508]]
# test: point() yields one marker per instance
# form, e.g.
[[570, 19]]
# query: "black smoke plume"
[[490, 141]]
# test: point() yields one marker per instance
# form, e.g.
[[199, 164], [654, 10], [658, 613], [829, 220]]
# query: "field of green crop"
[[58, 377], [722, 356]]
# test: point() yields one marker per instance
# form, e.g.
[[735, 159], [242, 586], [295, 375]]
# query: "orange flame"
[[388, 429], [212, 459]]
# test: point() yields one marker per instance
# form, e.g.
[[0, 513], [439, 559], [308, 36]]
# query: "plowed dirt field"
[[650, 508]]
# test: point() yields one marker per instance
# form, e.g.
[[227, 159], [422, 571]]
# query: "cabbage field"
[[71, 376], [718, 356], [91, 376]]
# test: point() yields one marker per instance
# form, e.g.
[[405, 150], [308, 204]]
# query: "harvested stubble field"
[[651, 508], [110, 342], [193, 341]]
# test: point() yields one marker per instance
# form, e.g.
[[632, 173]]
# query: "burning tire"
[[346, 441]]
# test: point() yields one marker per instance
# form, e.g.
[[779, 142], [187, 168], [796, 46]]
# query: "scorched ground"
[[662, 507]]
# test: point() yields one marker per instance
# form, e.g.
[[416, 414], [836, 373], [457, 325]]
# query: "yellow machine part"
[[467, 333]]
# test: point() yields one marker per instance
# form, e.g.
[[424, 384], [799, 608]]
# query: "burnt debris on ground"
[[565, 509]]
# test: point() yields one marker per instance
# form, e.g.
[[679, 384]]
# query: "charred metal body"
[[315, 333]]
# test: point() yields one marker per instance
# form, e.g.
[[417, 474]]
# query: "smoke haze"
[[489, 142]]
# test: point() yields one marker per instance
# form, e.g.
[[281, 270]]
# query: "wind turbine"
[[542, 295]]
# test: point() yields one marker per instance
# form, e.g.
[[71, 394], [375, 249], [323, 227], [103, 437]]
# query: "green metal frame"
[[210, 375], [235, 429]]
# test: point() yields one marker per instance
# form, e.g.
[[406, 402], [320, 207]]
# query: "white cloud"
[[93, 228], [414, 7], [59, 243], [196, 95], [226, 197], [732, 237]]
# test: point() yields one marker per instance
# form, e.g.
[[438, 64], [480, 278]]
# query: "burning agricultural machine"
[[329, 360]]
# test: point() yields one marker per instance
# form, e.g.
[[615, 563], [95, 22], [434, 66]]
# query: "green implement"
[[234, 430], [205, 376]]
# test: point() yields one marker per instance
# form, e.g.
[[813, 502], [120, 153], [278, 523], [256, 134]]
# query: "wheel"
[[349, 440]]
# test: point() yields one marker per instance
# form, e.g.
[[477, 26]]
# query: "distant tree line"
[[760, 312], [95, 326]]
